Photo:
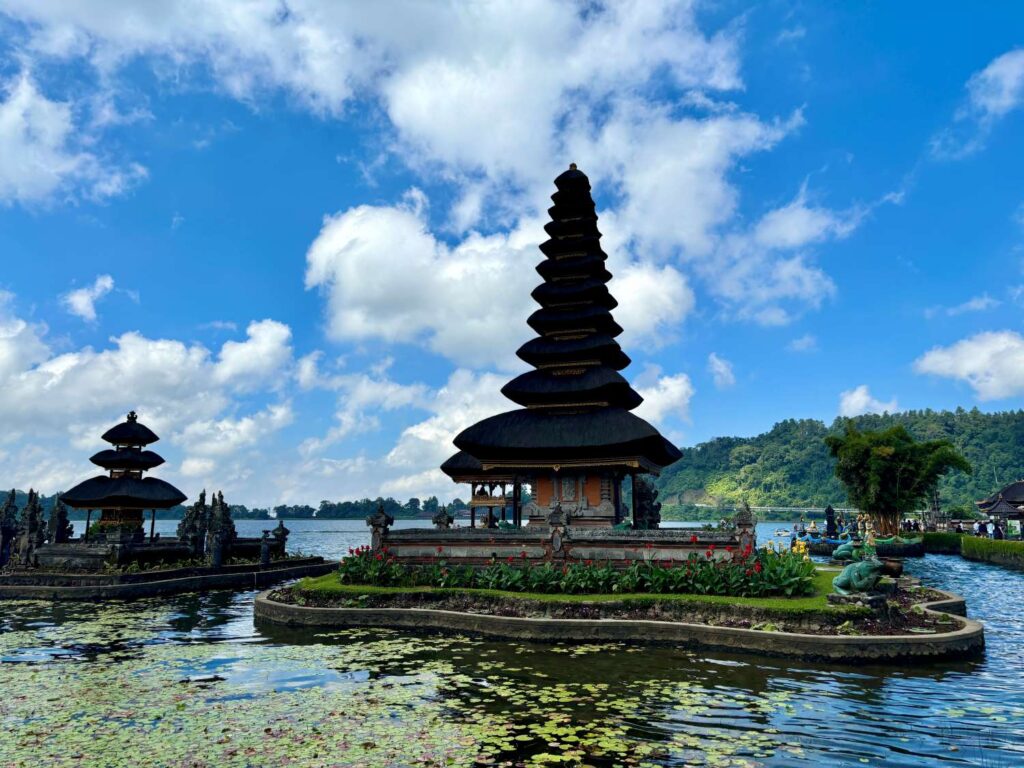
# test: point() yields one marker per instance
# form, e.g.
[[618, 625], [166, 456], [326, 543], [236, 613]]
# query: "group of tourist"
[[989, 529], [911, 526]]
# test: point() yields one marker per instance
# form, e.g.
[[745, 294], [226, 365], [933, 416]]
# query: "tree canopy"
[[887, 473]]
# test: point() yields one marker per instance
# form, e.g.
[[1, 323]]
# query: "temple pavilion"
[[124, 494], [574, 439]]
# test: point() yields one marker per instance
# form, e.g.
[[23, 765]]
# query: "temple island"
[[115, 556], [574, 441], [553, 550]]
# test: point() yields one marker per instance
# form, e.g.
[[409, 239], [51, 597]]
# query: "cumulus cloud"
[[664, 396], [81, 302], [468, 302], [255, 362], [60, 403], [721, 371], [857, 401], [992, 94], [992, 363], [43, 153]]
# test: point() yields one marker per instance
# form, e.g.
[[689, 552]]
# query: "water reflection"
[[84, 679]]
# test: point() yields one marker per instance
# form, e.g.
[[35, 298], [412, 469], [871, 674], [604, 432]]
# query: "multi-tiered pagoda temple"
[[575, 438], [124, 494]]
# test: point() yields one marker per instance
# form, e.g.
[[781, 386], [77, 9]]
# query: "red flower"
[[757, 567], [510, 560], [711, 547], [749, 571], [693, 539], [523, 554], [648, 545], [728, 549], [708, 554], [588, 562], [379, 557], [440, 550]]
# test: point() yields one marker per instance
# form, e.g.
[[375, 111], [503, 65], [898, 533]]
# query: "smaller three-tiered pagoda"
[[124, 494]]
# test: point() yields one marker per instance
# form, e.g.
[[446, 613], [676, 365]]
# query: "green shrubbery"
[[942, 543], [747, 574], [1000, 552]]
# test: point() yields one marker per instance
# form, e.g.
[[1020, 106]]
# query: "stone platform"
[[39, 584], [967, 639], [538, 544]]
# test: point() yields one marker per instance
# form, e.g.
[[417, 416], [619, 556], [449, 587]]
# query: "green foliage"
[[942, 543], [745, 574], [887, 473], [791, 466], [1001, 552]]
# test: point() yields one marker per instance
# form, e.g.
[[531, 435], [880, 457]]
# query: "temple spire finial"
[[572, 166]]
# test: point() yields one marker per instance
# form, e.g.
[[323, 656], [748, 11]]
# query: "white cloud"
[[81, 302], [798, 224], [665, 397], [857, 401], [806, 343], [255, 362], [721, 371], [42, 156], [58, 405], [992, 93], [361, 397], [975, 304], [992, 363], [468, 302]]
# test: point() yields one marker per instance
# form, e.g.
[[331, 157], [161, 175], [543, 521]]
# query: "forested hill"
[[790, 466]]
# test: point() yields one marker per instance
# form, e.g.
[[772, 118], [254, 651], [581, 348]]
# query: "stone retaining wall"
[[968, 639], [43, 586]]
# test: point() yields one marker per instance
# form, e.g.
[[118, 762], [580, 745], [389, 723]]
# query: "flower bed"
[[750, 573]]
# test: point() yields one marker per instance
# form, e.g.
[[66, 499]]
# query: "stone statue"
[[379, 523], [194, 525], [442, 519], [280, 534], [858, 577], [849, 550], [265, 549], [31, 532], [744, 525], [830, 522], [8, 527], [221, 532], [648, 510], [59, 530], [558, 517]]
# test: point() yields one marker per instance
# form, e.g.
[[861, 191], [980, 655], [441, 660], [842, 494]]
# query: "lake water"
[[189, 681]]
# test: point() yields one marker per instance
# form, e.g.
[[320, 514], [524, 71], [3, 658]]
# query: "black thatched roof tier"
[[577, 404], [593, 319], [130, 432], [569, 292], [127, 458], [591, 349], [575, 267], [535, 436], [557, 386], [123, 493]]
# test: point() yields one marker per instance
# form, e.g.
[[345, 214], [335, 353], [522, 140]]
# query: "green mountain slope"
[[789, 466]]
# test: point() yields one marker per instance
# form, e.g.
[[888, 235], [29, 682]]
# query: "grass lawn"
[[329, 586]]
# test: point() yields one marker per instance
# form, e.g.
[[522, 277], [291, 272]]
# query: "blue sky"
[[299, 238]]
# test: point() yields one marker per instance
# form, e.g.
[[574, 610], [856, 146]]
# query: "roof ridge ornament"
[[132, 417]]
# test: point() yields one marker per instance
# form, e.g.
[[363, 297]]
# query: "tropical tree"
[[887, 473]]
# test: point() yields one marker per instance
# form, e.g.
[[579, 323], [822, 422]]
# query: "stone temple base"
[[39, 584], [469, 546]]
